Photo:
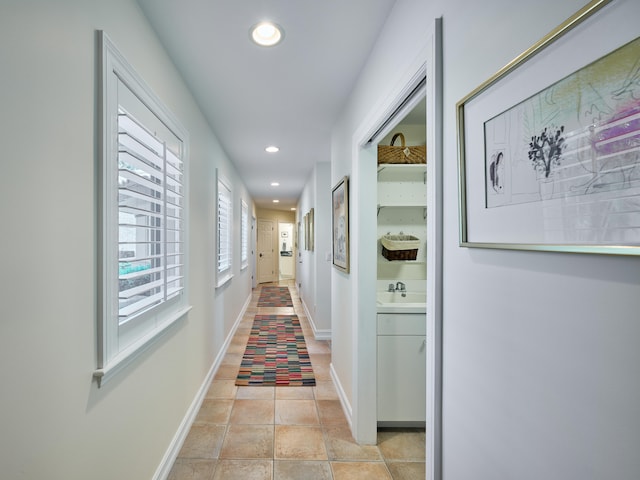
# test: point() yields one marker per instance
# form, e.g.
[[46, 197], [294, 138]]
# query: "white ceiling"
[[289, 95]]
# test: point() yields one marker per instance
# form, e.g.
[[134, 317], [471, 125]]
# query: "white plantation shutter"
[[150, 220], [244, 242], [143, 217], [224, 232]]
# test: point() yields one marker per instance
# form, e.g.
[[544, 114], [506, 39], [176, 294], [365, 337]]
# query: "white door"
[[266, 267]]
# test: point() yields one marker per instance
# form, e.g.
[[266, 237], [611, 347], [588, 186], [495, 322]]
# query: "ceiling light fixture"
[[275, 184], [272, 149], [293, 209], [267, 34], [276, 201]]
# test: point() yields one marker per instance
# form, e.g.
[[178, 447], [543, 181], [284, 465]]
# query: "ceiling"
[[289, 95]]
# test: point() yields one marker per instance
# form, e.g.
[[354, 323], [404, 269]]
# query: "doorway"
[[286, 252], [364, 271], [266, 257]]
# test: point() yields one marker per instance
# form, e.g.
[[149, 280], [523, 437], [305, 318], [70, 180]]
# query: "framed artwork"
[[340, 224], [306, 231], [549, 146]]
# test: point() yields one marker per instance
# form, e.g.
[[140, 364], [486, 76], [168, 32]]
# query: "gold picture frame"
[[538, 162]]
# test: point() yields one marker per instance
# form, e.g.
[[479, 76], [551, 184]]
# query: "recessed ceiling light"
[[272, 149], [276, 201], [267, 34], [275, 184], [293, 209]]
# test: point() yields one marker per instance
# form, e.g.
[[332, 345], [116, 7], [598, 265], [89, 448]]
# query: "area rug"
[[276, 354], [275, 297]]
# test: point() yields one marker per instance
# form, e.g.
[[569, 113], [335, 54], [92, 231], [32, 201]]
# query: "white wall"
[[55, 422], [323, 241], [540, 349], [313, 276], [399, 49]]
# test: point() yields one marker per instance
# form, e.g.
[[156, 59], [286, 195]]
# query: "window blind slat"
[[134, 129], [141, 273], [128, 177], [131, 145], [137, 307]]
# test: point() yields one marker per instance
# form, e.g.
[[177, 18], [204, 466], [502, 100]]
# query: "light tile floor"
[[287, 433]]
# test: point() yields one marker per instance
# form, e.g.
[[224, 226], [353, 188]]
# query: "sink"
[[394, 302]]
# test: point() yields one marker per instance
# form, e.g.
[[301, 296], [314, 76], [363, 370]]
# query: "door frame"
[[254, 239], [363, 420]]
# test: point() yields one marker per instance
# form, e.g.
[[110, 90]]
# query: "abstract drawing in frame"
[[550, 146]]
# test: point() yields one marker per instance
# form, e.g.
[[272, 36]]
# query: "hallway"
[[287, 433]]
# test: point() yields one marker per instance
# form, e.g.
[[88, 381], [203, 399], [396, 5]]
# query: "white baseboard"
[[171, 454], [344, 401], [324, 334]]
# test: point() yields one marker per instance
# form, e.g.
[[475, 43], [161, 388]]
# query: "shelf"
[[401, 205], [411, 262], [403, 172], [404, 205]]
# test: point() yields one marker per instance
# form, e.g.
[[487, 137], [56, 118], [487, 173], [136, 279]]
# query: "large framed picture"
[[549, 146], [340, 224]]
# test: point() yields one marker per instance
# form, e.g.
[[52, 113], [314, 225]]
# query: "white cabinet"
[[401, 367]]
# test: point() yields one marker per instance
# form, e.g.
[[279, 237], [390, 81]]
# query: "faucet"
[[402, 288]]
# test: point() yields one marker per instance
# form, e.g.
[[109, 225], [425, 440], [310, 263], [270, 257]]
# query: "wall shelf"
[[393, 262], [394, 172], [404, 205]]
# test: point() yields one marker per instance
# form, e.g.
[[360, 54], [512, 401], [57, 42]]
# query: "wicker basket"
[[400, 247], [401, 154]]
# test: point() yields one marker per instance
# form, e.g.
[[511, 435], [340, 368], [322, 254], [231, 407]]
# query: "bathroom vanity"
[[401, 365]]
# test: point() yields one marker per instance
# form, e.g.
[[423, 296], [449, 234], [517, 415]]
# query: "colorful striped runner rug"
[[276, 354], [272, 296]]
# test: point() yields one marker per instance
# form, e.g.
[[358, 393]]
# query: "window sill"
[[124, 358], [222, 281]]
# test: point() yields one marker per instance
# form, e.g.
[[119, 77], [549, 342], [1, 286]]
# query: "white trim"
[[223, 280], [416, 97], [114, 68], [324, 334], [342, 396], [244, 235], [169, 458], [364, 172], [434, 254], [125, 357]]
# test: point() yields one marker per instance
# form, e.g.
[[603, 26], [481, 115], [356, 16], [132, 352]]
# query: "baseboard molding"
[[162, 473], [344, 401], [324, 334]]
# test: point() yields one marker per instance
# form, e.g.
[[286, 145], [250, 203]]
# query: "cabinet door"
[[402, 378]]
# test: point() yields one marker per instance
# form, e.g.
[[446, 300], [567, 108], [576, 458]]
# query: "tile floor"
[[287, 433]]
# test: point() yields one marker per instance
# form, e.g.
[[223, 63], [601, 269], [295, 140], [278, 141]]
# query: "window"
[[244, 242], [144, 216], [225, 225]]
